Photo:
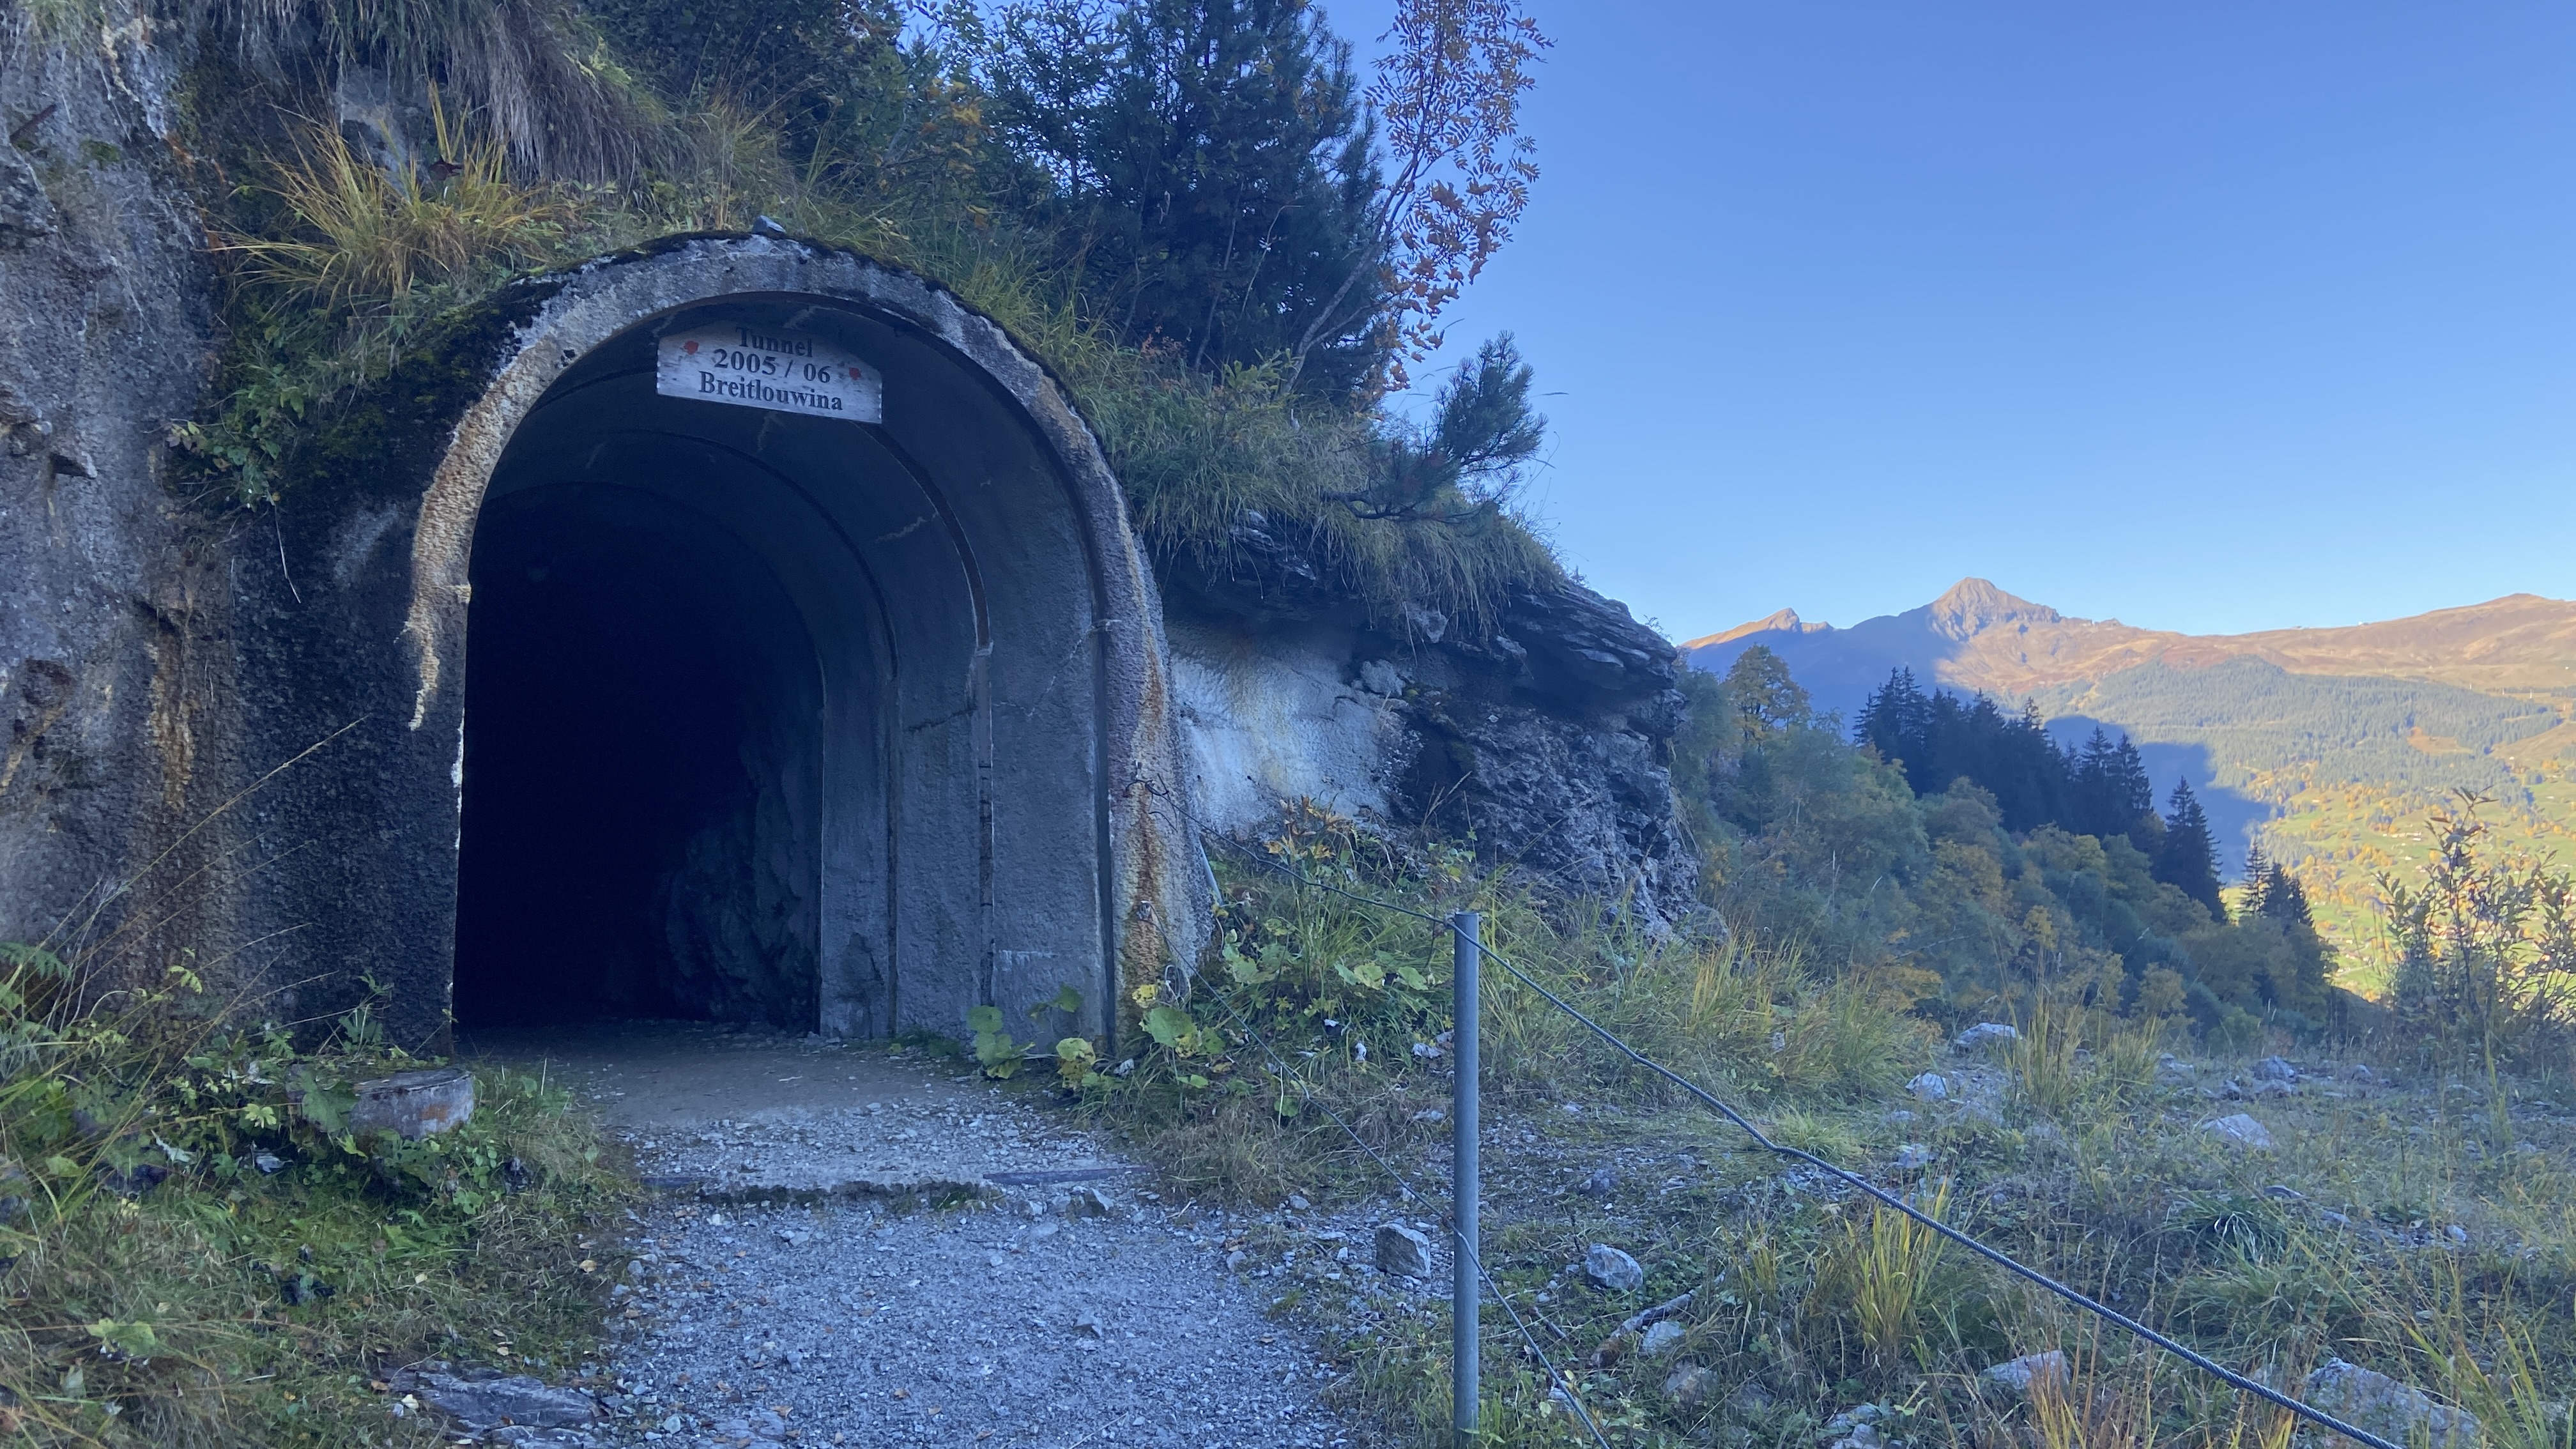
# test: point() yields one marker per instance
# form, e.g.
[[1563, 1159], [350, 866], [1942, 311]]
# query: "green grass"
[[226, 1304], [2075, 1156]]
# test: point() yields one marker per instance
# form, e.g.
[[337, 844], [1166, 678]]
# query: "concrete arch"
[[955, 643]]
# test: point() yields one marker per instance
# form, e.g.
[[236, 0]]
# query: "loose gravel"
[[848, 1324], [877, 1250]]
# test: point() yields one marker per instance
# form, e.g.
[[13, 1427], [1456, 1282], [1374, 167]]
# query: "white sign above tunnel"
[[762, 367]]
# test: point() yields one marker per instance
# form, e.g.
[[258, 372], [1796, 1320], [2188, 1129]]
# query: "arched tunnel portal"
[[828, 722]]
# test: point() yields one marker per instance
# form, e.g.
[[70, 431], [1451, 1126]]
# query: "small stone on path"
[[1402, 1252]]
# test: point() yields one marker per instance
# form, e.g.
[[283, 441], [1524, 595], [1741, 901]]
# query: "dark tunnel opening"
[[641, 769]]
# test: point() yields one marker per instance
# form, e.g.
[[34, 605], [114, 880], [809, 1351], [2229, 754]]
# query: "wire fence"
[[1556, 1378], [1762, 1140]]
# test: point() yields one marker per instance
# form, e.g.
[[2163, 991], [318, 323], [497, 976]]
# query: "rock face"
[[110, 608], [1544, 742]]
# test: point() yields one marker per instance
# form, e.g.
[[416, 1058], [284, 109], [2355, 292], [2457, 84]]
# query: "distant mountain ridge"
[[1978, 637], [2325, 746]]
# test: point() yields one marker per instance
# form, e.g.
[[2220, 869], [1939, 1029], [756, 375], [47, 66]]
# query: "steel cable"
[[1707, 1099], [1555, 1378]]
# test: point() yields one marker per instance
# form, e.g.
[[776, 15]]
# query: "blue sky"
[[2205, 316]]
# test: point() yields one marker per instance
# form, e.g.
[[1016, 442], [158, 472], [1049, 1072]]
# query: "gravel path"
[[783, 1296], [849, 1325]]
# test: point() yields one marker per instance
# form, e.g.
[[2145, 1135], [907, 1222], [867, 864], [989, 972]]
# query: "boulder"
[[2388, 1408], [2019, 1374], [1662, 1338], [1612, 1271], [1402, 1252], [1929, 1087], [1691, 1388], [2240, 1132], [2275, 1069], [1986, 1035], [413, 1105]]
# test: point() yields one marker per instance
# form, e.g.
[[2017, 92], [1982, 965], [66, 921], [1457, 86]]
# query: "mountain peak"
[[1785, 621], [1972, 606]]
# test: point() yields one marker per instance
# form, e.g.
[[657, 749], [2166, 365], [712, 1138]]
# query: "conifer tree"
[[1211, 171], [2109, 792], [1896, 721], [2189, 860]]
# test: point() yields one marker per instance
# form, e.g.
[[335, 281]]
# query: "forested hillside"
[[2323, 751], [1957, 855]]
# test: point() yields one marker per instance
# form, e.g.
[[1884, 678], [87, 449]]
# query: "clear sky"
[[2212, 315]]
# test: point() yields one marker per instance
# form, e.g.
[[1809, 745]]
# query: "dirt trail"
[[794, 1283]]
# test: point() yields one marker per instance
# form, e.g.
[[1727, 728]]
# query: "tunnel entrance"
[[780, 718], [641, 701]]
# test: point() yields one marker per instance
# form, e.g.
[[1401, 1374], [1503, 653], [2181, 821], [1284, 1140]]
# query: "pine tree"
[[1211, 171], [1896, 721], [2090, 810], [2277, 893], [2189, 860]]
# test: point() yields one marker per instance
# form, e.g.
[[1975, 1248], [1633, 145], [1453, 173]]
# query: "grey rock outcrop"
[[107, 607], [2396, 1411], [1544, 741]]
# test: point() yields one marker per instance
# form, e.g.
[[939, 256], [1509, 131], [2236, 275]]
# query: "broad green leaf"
[[136, 1339], [1172, 1027]]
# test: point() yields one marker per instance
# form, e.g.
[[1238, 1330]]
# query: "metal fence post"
[[1464, 1296]]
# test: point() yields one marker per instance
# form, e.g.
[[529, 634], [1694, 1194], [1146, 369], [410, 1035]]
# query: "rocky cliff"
[[1543, 742]]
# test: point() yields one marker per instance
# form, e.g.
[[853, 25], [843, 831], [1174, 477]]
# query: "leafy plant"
[[994, 1050]]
